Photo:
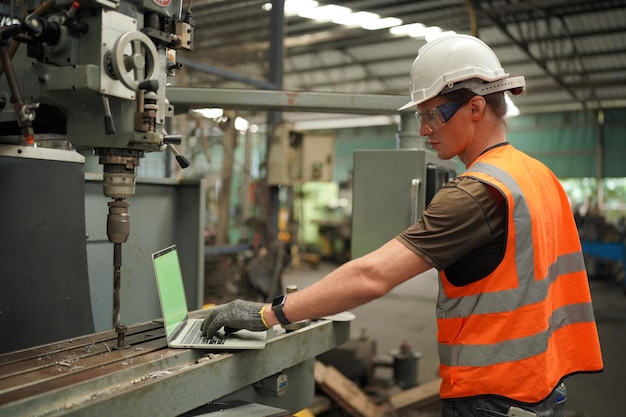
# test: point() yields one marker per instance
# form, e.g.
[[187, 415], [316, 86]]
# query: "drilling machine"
[[95, 72]]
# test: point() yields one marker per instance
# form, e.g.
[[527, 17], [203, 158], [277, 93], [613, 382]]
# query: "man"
[[514, 310]]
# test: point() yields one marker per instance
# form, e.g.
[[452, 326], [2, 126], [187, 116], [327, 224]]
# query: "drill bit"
[[117, 281], [117, 275]]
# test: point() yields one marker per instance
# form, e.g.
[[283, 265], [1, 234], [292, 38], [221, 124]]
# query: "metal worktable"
[[85, 376]]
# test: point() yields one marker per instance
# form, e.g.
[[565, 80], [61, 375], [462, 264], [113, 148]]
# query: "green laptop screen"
[[171, 290]]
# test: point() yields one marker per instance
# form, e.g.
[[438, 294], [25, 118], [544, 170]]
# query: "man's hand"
[[234, 316]]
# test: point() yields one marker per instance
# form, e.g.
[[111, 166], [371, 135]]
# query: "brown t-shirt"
[[462, 231]]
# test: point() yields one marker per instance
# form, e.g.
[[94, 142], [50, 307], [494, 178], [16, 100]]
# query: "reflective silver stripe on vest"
[[528, 291], [533, 291], [516, 349]]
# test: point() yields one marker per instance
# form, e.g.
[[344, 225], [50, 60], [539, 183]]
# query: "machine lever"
[[182, 161], [109, 123], [42, 29], [172, 139], [25, 112], [7, 32]]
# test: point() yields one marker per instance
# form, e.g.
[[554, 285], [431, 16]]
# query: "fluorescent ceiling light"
[[383, 23], [356, 19], [210, 113], [345, 122], [294, 7], [405, 30], [324, 13], [311, 9], [241, 124], [216, 113], [419, 30]]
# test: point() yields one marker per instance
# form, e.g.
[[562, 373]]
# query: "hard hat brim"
[[408, 105], [480, 88]]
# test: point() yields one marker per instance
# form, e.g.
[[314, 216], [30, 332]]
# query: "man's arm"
[[353, 284]]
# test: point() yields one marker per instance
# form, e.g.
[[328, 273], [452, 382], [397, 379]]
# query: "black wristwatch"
[[277, 308]]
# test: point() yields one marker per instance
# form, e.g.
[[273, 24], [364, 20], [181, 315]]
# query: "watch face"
[[279, 300]]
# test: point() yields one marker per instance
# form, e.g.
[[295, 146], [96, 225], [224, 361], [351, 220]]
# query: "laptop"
[[181, 330]]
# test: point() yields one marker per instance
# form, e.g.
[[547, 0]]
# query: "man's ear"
[[478, 105]]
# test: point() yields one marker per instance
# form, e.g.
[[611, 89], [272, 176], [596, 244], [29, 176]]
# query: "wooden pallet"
[[356, 403]]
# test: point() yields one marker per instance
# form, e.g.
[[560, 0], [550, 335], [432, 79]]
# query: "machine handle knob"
[[149, 85], [182, 161]]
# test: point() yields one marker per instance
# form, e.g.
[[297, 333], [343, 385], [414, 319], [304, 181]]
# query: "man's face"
[[447, 138]]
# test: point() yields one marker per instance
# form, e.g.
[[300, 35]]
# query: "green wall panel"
[[567, 142], [569, 150]]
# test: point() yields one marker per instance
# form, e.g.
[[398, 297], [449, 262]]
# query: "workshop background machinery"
[[90, 77], [392, 188], [85, 75]]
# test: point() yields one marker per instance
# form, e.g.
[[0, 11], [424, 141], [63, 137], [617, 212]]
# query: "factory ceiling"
[[572, 52]]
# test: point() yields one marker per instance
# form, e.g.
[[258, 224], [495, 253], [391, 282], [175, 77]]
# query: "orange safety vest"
[[521, 329]]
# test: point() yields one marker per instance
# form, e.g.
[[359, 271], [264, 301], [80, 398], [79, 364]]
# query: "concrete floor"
[[407, 313]]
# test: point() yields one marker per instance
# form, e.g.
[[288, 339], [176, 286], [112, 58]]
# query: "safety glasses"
[[438, 116]]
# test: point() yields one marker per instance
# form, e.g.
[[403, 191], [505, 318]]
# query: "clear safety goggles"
[[438, 116]]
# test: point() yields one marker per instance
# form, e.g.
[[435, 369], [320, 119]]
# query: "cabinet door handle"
[[415, 196]]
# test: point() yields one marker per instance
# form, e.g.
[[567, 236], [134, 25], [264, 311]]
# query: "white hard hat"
[[446, 61]]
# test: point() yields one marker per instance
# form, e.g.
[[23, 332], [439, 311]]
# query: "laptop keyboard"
[[194, 336]]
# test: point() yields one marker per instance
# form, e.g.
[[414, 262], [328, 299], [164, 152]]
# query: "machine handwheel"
[[138, 66]]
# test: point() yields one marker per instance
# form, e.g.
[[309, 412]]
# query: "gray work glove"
[[236, 315]]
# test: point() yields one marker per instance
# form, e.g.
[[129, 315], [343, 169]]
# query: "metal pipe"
[[24, 113], [408, 136], [600, 158]]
